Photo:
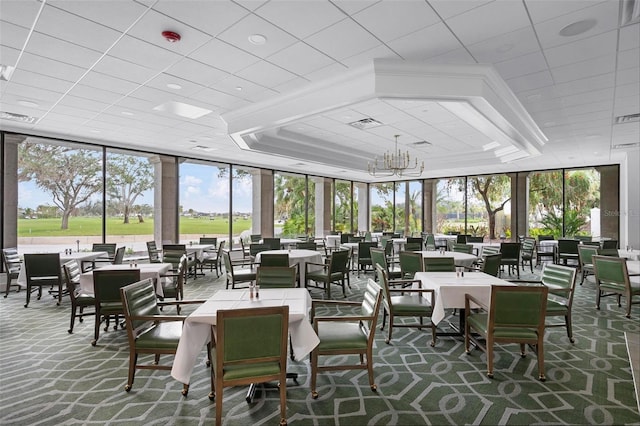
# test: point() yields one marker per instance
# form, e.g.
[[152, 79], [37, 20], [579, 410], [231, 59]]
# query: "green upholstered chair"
[[255, 248], [414, 244], [527, 252], [491, 264], [173, 284], [119, 257], [255, 238], [79, 300], [274, 259], [346, 334], [43, 270], [272, 243], [567, 251], [109, 248], [610, 244], [345, 237], [489, 250], [307, 245], [149, 331], [251, 347], [613, 252], [474, 239], [410, 263], [106, 285], [364, 255], [406, 302], [244, 247], [153, 252], [213, 259], [12, 264], [378, 258], [516, 314], [172, 253], [439, 264], [335, 272], [209, 241], [276, 276], [462, 248], [585, 257], [235, 274], [430, 242], [612, 279], [511, 257]]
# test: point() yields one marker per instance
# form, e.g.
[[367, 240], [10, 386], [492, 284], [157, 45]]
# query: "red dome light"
[[170, 36]]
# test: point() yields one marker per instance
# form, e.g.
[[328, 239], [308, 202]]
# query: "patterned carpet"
[[48, 376]]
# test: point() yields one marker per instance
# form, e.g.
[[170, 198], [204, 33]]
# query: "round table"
[[298, 257], [460, 259], [333, 241]]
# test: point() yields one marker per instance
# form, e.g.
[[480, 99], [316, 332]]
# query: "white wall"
[[630, 200]]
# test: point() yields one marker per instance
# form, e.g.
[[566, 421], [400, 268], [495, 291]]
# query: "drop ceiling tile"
[[301, 19], [381, 51], [119, 68], [9, 57], [627, 76], [49, 67], [291, 85], [92, 93], [219, 99], [238, 36], [149, 56], [53, 85], [342, 40], [522, 65], [100, 80], [497, 18], [530, 81], [629, 37], [583, 49], [447, 8], [82, 103], [74, 29], [234, 58], [506, 46], [73, 111], [266, 74], [605, 14], [289, 58], [19, 12], [196, 72], [210, 17], [52, 48], [588, 68], [351, 7], [458, 56], [12, 36], [542, 10], [248, 90], [161, 82], [390, 20], [103, 11], [330, 71], [425, 43], [628, 59]]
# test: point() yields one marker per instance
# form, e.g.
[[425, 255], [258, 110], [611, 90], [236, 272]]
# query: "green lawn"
[[87, 226]]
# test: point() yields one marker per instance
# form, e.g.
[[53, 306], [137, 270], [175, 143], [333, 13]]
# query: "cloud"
[[190, 180]]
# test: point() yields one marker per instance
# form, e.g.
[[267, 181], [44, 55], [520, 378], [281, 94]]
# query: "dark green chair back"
[[274, 259], [585, 254], [307, 245], [107, 284], [276, 276], [410, 263], [272, 243], [209, 240], [610, 271], [12, 265], [608, 252], [462, 248], [378, 258], [461, 238], [559, 279], [255, 238], [489, 250], [568, 247], [339, 261], [610, 244], [514, 307], [430, 242], [491, 264], [356, 239], [344, 238], [109, 248], [152, 250], [119, 257], [439, 264], [43, 269], [139, 299], [474, 239], [255, 248], [172, 253], [545, 237]]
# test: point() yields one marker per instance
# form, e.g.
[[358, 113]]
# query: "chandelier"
[[395, 163]]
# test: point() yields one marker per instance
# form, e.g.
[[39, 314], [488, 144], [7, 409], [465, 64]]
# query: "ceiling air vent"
[[203, 148], [365, 123], [419, 143], [626, 145], [17, 117], [627, 118]]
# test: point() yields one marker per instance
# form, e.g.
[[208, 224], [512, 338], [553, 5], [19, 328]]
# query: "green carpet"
[[48, 376]]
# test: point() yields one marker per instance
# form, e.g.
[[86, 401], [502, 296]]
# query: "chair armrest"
[[324, 265], [315, 303], [342, 318], [526, 281], [469, 298], [181, 302], [159, 318], [405, 283]]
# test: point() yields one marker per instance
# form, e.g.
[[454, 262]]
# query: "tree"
[[129, 177], [70, 175], [289, 204], [494, 192]]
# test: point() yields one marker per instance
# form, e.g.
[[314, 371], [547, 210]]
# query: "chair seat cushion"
[[555, 307], [85, 299], [341, 335], [164, 335], [111, 308], [244, 275], [410, 305], [319, 276], [234, 372], [479, 322]]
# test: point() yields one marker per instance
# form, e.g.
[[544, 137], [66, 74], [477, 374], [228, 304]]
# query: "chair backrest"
[[491, 264], [72, 273], [176, 247], [410, 263], [152, 250], [568, 246], [364, 249], [11, 261], [255, 248], [387, 245], [355, 239], [608, 252], [611, 271], [274, 259], [107, 283], [430, 242], [518, 307], [462, 248], [545, 237], [474, 239], [339, 261], [255, 238], [108, 247], [378, 258], [276, 276], [43, 267], [368, 237], [372, 298], [439, 264], [585, 254], [344, 238], [172, 253], [251, 336], [119, 257], [307, 245], [138, 299], [510, 251], [221, 245], [610, 244], [461, 238], [584, 238], [228, 266], [527, 247], [209, 240], [561, 280], [272, 243]]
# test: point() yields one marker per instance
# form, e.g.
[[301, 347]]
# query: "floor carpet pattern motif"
[[48, 376]]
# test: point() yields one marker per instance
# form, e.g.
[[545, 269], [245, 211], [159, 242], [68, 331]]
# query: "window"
[[342, 209], [242, 202], [450, 206], [381, 196], [489, 206], [290, 204]]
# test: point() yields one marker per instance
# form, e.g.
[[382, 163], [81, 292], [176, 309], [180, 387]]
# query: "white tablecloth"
[[460, 259], [333, 241], [198, 249], [633, 267], [286, 242], [628, 254], [197, 328], [449, 289], [298, 257], [147, 270], [79, 257]]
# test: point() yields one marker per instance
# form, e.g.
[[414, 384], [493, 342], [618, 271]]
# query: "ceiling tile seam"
[[31, 30], [453, 33], [615, 86], [535, 33]]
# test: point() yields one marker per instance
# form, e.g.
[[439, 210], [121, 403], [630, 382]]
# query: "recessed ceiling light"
[[28, 104], [182, 109], [504, 48], [126, 113], [174, 86], [257, 39], [238, 88], [578, 28]]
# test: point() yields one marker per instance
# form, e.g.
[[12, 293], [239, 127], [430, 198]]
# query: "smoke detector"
[[171, 36]]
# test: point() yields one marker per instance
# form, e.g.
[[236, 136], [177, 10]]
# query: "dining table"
[[449, 289], [79, 257], [633, 267], [199, 326], [198, 250], [460, 259], [298, 257], [147, 270]]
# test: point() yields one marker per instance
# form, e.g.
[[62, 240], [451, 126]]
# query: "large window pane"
[[342, 220], [450, 206], [242, 202], [400, 223], [59, 196], [413, 214], [289, 204], [489, 206], [204, 201], [381, 201], [545, 203], [582, 203], [130, 189]]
